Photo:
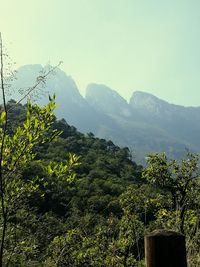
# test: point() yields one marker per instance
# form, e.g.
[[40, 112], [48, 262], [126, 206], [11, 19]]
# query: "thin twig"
[[4, 210], [35, 86]]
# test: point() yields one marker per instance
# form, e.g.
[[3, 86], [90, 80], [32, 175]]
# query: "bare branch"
[[39, 80], [4, 209]]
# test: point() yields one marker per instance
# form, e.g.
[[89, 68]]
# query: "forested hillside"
[[90, 204]]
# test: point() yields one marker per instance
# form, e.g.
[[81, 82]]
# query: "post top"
[[163, 232]]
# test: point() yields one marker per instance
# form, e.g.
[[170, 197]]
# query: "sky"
[[129, 45]]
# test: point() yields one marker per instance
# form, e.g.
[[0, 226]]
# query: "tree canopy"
[[83, 201]]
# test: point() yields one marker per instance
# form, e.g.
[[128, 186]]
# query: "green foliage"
[[180, 179], [17, 152], [82, 201], [63, 170], [179, 182]]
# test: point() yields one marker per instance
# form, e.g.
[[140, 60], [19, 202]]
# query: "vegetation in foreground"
[[92, 209]]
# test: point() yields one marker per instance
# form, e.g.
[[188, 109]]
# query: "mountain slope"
[[71, 105], [145, 124], [106, 100], [152, 124]]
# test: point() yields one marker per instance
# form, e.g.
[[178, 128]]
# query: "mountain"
[[106, 100], [71, 104], [179, 121], [145, 124], [149, 123]]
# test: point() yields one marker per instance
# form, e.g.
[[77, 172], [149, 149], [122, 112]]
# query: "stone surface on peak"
[[106, 100]]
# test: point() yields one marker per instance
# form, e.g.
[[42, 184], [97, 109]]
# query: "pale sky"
[[129, 45]]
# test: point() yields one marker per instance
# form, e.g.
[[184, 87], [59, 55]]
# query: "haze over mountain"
[[145, 124]]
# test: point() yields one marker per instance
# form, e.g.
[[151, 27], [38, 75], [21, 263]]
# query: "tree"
[[179, 178], [16, 152]]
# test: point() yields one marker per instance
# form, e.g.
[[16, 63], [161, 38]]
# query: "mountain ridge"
[[145, 124]]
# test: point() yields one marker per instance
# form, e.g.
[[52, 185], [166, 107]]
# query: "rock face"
[[106, 100], [57, 82], [70, 102], [178, 121], [145, 124], [147, 103]]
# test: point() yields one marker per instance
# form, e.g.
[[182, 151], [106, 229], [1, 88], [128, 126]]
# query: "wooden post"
[[165, 249]]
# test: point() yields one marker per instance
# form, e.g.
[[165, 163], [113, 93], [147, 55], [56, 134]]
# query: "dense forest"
[[76, 200]]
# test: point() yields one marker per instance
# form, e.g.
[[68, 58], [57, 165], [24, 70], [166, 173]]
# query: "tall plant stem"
[[2, 189]]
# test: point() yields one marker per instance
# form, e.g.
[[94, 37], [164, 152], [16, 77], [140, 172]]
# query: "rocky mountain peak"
[[57, 82], [149, 103], [142, 98], [106, 99]]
